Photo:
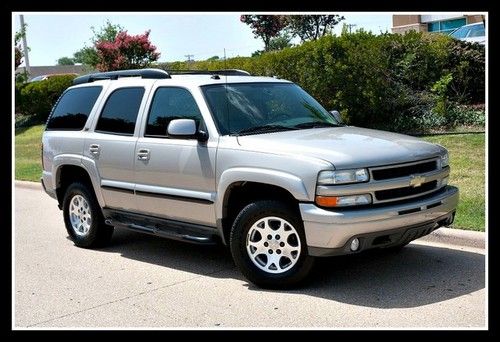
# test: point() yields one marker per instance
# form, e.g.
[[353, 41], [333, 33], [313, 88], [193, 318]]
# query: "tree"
[[265, 26], [65, 61], [280, 42], [213, 58], [126, 52], [18, 52], [312, 27], [88, 54]]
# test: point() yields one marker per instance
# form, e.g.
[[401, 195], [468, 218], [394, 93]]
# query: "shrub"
[[405, 83], [35, 100]]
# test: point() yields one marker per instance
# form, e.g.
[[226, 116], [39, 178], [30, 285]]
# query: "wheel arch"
[[239, 187]]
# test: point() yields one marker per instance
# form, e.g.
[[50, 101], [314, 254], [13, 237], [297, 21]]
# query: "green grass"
[[467, 173], [28, 162], [466, 161]]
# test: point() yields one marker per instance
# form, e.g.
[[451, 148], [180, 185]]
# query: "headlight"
[[445, 160], [343, 176], [343, 201]]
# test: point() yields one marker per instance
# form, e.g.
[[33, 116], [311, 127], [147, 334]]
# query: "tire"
[[79, 207], [271, 218]]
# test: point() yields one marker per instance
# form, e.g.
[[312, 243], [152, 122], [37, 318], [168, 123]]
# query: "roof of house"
[[56, 69]]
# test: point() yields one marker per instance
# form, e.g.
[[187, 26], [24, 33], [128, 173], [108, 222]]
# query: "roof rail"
[[114, 75], [222, 72]]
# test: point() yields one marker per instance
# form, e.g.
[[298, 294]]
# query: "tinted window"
[[120, 111], [73, 108], [168, 104]]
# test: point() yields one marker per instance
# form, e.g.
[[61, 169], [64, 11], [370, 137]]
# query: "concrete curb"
[[457, 237], [28, 185]]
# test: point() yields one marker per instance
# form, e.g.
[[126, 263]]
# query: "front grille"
[[403, 171], [383, 195]]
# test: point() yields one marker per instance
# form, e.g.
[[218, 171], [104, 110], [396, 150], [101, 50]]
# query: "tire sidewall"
[[242, 224], [80, 189]]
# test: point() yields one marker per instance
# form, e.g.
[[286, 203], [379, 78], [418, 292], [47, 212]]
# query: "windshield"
[[251, 108]]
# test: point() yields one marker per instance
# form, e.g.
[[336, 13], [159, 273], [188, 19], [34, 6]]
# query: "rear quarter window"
[[73, 109]]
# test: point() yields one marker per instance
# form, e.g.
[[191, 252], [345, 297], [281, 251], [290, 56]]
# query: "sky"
[[51, 36]]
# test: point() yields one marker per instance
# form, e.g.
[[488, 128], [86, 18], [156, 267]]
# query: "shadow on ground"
[[417, 275]]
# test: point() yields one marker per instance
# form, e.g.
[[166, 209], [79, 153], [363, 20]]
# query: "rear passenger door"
[[175, 179], [112, 142]]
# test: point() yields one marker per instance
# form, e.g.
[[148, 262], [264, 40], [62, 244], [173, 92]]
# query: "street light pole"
[[25, 46]]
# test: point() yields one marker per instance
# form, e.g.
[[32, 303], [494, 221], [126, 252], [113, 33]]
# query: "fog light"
[[354, 244]]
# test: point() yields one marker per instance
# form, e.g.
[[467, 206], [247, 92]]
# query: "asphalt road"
[[143, 281]]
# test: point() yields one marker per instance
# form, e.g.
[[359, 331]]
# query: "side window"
[[120, 111], [170, 103], [477, 31], [73, 109]]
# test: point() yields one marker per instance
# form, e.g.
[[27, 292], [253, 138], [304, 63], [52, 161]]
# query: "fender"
[[287, 181], [85, 163]]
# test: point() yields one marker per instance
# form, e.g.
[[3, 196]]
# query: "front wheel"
[[268, 245]]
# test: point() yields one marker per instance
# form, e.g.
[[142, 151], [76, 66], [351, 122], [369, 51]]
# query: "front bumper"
[[330, 232]]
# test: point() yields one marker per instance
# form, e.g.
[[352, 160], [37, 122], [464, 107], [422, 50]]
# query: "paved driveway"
[[143, 281]]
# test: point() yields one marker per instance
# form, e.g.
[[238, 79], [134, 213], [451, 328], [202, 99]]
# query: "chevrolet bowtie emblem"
[[416, 180]]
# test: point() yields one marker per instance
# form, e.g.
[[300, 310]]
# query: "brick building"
[[431, 22]]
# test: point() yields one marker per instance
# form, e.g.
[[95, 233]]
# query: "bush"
[[34, 100], [382, 81]]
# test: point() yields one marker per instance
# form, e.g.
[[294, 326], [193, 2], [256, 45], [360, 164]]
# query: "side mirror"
[[336, 116], [185, 129]]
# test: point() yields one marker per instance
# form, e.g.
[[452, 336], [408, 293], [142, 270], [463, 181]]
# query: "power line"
[[189, 60]]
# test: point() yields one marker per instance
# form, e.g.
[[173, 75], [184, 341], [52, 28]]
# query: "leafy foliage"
[[380, 81], [18, 52], [65, 61], [88, 54], [35, 100], [265, 26], [126, 52], [312, 27]]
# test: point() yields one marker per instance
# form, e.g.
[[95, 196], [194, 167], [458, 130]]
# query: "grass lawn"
[[466, 160], [28, 162], [467, 172]]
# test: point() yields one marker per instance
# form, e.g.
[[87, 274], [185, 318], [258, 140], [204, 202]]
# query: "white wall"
[[428, 18]]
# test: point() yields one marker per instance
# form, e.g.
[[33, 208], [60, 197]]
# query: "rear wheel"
[[83, 217], [268, 245]]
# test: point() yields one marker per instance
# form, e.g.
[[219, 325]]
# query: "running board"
[[161, 227]]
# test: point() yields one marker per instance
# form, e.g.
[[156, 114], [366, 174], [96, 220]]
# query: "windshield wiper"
[[316, 124], [264, 129]]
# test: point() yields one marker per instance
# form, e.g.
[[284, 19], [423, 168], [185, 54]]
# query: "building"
[[432, 23], [56, 69]]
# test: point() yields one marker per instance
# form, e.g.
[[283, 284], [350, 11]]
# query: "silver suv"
[[254, 162]]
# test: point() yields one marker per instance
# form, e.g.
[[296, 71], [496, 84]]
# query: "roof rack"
[[222, 72], [114, 75]]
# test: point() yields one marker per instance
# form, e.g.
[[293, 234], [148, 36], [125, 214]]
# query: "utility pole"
[[351, 26], [25, 46], [189, 60]]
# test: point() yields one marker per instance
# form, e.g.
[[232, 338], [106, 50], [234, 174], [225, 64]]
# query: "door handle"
[[94, 149], [143, 154]]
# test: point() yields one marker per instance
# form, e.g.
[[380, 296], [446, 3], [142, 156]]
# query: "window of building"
[[73, 109], [170, 103], [445, 26], [120, 111]]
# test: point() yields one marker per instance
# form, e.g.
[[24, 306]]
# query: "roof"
[[55, 69], [190, 80]]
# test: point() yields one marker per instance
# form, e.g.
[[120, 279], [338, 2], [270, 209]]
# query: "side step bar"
[[161, 227]]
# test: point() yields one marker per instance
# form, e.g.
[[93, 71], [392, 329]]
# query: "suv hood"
[[345, 147]]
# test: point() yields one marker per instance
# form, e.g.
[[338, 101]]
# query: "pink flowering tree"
[[126, 52], [265, 26]]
